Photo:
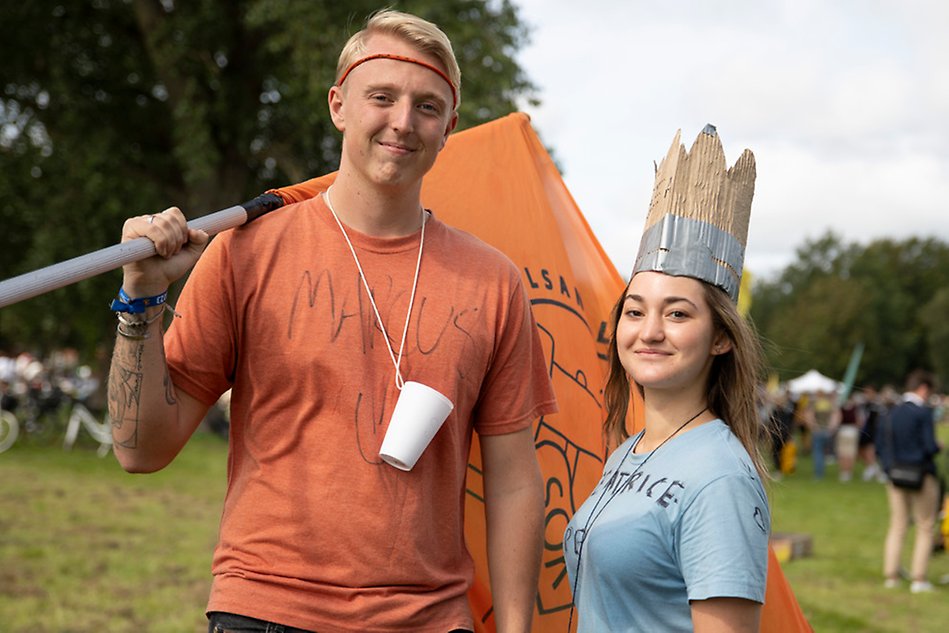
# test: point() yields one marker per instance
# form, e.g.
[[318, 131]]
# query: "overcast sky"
[[845, 104]]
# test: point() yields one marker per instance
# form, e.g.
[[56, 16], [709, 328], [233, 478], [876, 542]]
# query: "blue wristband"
[[125, 303]]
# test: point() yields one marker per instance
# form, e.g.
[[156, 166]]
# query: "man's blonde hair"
[[421, 34]]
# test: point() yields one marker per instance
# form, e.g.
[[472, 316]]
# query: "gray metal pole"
[[35, 283]]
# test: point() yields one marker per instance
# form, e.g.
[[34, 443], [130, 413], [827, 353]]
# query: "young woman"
[[675, 535]]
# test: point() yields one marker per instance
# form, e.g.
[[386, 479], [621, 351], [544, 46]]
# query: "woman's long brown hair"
[[733, 380]]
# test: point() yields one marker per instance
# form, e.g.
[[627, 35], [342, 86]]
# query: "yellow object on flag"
[[744, 293]]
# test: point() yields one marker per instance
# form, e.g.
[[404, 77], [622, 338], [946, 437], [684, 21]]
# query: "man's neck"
[[375, 211]]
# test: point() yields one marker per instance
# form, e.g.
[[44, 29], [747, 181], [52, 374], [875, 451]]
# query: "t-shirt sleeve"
[[517, 388], [722, 540], [200, 346]]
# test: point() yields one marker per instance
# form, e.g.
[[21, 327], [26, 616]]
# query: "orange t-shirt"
[[317, 532]]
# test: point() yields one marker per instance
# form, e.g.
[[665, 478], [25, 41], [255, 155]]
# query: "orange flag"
[[498, 182]]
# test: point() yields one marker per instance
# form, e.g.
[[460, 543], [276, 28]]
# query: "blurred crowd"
[[833, 431], [856, 432], [34, 388]]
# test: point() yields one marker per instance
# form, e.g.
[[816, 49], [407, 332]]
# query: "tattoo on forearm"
[[125, 392]]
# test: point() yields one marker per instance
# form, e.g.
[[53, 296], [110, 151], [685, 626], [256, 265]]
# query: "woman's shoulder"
[[718, 452]]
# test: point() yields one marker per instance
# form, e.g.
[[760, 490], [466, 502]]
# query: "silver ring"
[[151, 219]]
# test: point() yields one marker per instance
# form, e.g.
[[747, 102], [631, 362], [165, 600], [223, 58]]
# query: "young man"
[[908, 436], [314, 315]]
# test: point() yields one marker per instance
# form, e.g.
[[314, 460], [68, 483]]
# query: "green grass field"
[[86, 547], [840, 586]]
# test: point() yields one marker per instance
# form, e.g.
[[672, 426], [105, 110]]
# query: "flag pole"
[[851, 374], [37, 282]]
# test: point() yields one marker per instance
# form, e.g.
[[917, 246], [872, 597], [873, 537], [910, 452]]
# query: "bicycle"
[[9, 429], [10, 423], [80, 417]]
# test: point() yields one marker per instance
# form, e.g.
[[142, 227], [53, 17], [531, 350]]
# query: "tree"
[[904, 276], [823, 330], [816, 259], [111, 108], [836, 295], [933, 316]]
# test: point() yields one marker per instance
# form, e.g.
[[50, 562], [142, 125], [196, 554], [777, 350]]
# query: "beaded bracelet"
[[140, 336], [136, 329]]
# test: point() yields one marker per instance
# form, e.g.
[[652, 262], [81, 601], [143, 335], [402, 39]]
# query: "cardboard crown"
[[698, 216]]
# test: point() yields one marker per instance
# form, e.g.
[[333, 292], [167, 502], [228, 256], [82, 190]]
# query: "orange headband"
[[401, 58]]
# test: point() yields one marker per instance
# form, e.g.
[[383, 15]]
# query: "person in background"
[[908, 437], [847, 438], [873, 412], [822, 418], [317, 532], [782, 429]]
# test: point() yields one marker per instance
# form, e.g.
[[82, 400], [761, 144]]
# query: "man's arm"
[[931, 445], [514, 508], [151, 419]]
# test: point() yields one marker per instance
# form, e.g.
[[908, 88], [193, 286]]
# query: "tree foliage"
[[935, 318], [890, 295], [111, 108]]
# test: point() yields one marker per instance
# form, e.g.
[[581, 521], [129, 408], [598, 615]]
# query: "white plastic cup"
[[419, 413]]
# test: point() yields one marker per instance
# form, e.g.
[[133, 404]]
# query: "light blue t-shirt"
[[691, 524]]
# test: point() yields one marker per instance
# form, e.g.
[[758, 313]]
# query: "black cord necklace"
[[594, 514]]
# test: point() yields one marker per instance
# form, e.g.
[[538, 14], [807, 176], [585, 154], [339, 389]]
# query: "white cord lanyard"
[[408, 315]]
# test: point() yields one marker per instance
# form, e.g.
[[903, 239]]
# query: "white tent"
[[812, 382]]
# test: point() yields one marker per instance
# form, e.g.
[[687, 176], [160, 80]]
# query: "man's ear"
[[448, 129], [335, 99]]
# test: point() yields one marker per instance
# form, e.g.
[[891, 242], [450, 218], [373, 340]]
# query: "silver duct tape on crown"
[[692, 248]]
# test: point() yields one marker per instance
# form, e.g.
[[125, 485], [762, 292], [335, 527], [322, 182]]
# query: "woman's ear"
[[721, 345]]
